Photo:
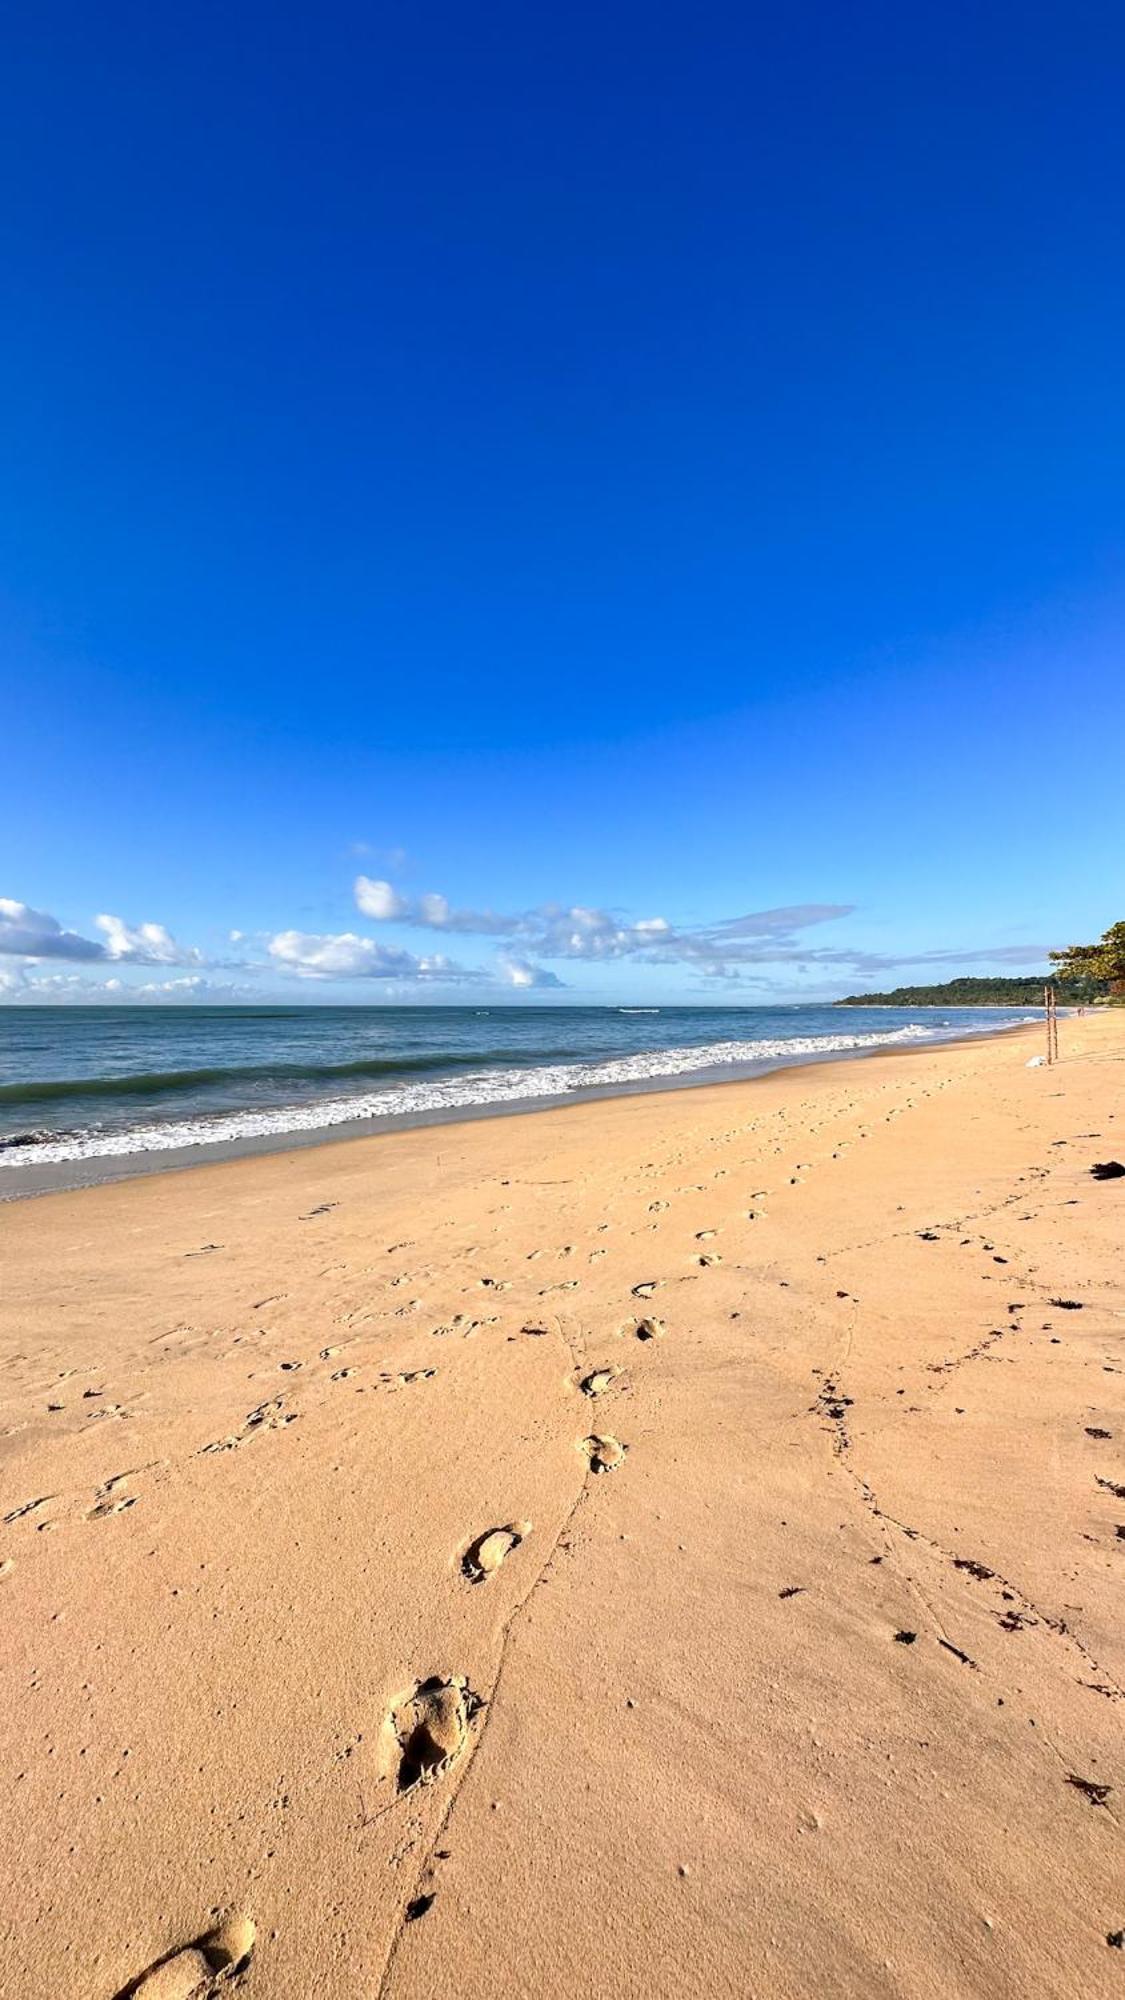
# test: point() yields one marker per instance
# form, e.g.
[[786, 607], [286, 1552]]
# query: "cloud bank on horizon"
[[545, 949]]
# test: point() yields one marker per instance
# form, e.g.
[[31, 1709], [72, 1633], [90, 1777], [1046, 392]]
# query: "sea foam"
[[466, 1091]]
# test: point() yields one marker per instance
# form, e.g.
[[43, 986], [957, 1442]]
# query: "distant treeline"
[[985, 993]]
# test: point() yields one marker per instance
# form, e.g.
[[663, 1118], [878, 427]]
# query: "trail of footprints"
[[428, 1729], [113, 1496], [432, 1728]]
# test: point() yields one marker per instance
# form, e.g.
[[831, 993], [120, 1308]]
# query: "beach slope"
[[664, 1546]]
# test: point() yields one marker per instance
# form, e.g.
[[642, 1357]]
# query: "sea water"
[[114, 1083]]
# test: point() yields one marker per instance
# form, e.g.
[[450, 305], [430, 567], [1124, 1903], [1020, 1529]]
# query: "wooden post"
[[1051, 1018]]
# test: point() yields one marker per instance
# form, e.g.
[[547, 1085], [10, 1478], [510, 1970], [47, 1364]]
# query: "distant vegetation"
[[1088, 975], [1081, 991]]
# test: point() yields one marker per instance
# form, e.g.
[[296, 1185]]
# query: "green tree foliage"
[[1103, 962]]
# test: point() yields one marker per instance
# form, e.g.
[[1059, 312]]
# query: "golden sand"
[[669, 1546]]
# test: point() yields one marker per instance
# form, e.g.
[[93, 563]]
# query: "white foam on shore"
[[462, 1092]]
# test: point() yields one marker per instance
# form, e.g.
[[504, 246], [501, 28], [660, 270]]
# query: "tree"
[[1104, 961]]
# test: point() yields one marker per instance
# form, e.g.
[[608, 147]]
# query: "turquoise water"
[[112, 1082]]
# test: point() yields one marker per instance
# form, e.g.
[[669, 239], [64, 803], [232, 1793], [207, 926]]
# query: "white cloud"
[[578, 930], [985, 955], [347, 956], [26, 986], [35, 934], [778, 922], [378, 899], [29, 985], [550, 930], [726, 949], [732, 949], [146, 944], [383, 902], [190, 984], [521, 973]]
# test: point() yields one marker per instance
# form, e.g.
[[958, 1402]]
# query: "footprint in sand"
[[109, 1499], [483, 1557], [598, 1381], [647, 1329], [31, 1506], [201, 1969], [646, 1288], [604, 1453], [271, 1415], [708, 1259], [431, 1728]]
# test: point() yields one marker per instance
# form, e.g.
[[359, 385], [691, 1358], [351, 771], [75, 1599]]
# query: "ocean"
[[94, 1091]]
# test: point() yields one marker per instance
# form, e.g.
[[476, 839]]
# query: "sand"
[[657, 1547]]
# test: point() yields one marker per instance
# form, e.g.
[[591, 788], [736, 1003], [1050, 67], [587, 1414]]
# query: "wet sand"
[[661, 1546], [21, 1179]]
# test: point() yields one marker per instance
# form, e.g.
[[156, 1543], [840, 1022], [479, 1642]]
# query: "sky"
[[595, 504]]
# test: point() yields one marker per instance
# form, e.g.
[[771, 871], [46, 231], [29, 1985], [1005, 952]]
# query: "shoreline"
[[24, 1183]]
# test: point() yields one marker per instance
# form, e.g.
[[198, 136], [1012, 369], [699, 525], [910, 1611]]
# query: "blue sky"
[[648, 479]]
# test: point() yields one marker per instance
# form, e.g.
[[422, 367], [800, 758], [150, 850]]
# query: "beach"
[[662, 1545], [89, 1094]]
